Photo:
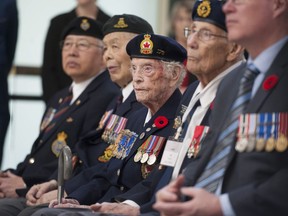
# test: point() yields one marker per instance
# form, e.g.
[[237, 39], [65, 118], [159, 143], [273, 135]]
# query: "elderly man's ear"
[[175, 76], [236, 52]]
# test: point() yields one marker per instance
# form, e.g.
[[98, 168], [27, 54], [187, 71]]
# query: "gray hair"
[[169, 68]]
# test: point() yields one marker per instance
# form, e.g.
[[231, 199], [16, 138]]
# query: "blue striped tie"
[[215, 169]]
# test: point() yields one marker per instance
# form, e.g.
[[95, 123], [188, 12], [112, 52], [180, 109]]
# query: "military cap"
[[83, 26], [127, 23], [154, 46], [209, 11]]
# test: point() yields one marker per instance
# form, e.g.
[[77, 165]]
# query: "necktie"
[[189, 117], [215, 169]]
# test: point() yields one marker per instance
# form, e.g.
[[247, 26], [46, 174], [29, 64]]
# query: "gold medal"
[[59, 143], [270, 145], [281, 143], [260, 144]]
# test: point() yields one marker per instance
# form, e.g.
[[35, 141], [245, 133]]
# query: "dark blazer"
[[53, 76], [104, 181], [81, 117], [8, 38], [92, 146], [256, 182], [144, 192]]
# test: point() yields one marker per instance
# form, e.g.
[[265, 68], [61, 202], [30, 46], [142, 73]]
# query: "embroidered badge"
[[146, 46], [204, 9], [121, 23]]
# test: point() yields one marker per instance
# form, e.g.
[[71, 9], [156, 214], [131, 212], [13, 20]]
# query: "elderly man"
[[71, 114], [252, 179], [157, 70], [210, 57]]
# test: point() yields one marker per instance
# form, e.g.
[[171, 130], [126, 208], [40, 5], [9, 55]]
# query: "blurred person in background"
[[8, 38]]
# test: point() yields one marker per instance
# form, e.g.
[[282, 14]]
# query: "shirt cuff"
[[226, 205], [131, 203]]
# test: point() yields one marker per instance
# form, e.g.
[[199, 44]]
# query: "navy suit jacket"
[[256, 182], [144, 192], [92, 146], [81, 117], [104, 181]]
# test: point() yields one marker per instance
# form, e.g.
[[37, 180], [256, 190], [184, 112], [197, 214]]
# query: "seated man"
[[157, 70], [72, 113], [246, 170]]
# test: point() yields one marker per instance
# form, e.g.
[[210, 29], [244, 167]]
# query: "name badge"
[[171, 152]]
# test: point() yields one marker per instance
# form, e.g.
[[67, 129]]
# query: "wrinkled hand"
[[116, 208], [67, 203], [9, 183], [202, 203], [34, 195]]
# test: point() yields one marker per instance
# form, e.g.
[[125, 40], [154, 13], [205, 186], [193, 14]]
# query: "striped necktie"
[[215, 169]]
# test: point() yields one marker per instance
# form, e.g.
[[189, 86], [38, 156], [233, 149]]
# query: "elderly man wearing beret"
[[72, 113], [157, 69]]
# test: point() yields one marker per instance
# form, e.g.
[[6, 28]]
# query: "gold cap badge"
[[204, 9], [146, 46], [85, 24], [121, 23]]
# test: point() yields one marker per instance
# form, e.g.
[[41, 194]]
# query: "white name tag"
[[171, 153]]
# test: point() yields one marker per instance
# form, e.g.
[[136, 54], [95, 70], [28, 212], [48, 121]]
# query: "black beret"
[[127, 23], [210, 11], [154, 46], [83, 26]]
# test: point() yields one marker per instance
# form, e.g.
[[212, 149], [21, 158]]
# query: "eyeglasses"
[[202, 34], [146, 70], [82, 45]]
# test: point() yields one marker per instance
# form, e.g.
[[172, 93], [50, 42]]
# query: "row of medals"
[[249, 144], [144, 157]]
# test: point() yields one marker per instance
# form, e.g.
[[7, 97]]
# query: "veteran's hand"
[[9, 182], [35, 193], [116, 208], [197, 205], [70, 203]]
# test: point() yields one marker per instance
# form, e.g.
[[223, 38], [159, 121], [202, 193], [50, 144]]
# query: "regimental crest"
[[121, 23], [85, 25], [59, 143], [146, 46], [204, 9]]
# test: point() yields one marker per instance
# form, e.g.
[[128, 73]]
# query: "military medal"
[[156, 150], [282, 142], [104, 119], [178, 122], [146, 148], [199, 134], [243, 129], [252, 132], [138, 156], [59, 143], [271, 123], [260, 142], [48, 118]]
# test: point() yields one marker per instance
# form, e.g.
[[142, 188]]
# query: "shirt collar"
[[264, 60], [126, 91]]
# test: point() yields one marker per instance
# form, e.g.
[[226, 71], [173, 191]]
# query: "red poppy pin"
[[270, 82], [160, 122]]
